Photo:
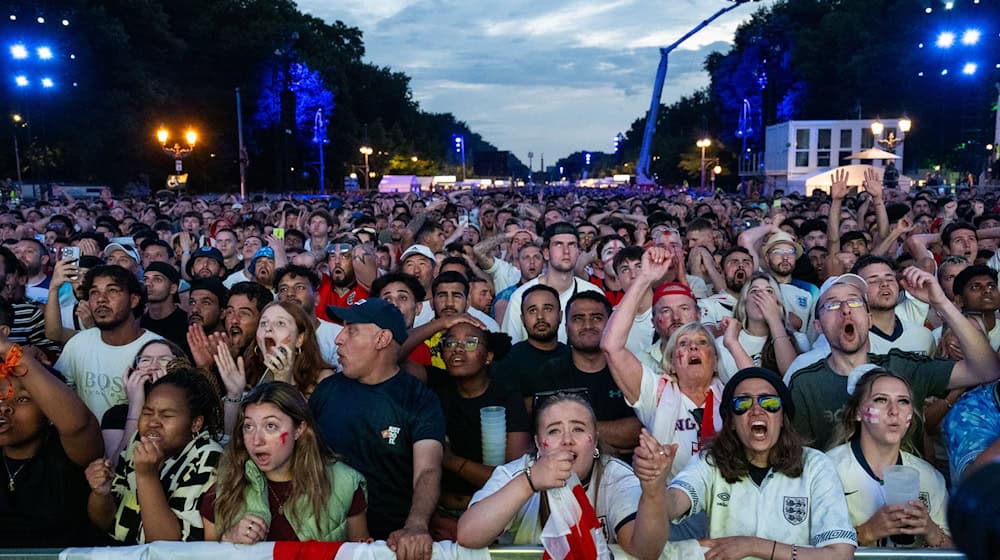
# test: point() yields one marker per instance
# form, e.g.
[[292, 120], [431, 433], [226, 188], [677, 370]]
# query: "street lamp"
[[878, 128], [177, 151], [703, 143], [18, 122], [367, 151]]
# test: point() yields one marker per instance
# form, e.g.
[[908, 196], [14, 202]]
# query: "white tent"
[[855, 176]]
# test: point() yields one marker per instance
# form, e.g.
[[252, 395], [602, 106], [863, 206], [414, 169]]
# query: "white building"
[[797, 150]]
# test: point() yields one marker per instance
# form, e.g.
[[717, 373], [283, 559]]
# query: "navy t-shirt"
[[374, 427]]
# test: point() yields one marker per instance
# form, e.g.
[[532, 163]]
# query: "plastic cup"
[[901, 484]]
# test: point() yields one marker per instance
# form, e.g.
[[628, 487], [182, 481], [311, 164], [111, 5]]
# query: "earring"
[[597, 453]]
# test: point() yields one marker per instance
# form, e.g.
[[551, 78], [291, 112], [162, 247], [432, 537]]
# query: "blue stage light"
[[21, 81], [970, 37], [945, 40], [44, 53], [969, 68], [19, 52], [47, 82]]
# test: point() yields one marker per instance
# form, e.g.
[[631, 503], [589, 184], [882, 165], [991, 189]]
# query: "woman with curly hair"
[[766, 495], [875, 425], [468, 351], [153, 493], [278, 482]]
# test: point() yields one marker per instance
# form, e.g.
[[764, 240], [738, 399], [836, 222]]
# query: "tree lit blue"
[[21, 81], [310, 94], [969, 68], [19, 52], [44, 53], [47, 82], [946, 40], [970, 37]]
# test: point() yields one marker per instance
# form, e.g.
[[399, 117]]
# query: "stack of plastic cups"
[[493, 424], [901, 485]]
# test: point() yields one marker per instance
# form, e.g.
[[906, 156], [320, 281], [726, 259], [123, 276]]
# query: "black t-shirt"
[[173, 327], [48, 507], [464, 431], [605, 396], [374, 427], [521, 369]]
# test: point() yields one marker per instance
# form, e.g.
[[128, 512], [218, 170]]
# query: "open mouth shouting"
[[758, 430]]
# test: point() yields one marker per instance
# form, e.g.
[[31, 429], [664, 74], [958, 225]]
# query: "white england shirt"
[[864, 491], [807, 511], [754, 346], [717, 307], [618, 495], [799, 302]]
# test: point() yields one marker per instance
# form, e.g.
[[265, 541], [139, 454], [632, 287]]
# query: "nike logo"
[[849, 493]]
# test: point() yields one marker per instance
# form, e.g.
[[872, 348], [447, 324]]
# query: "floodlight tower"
[[643, 176]]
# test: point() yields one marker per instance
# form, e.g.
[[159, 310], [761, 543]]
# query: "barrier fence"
[[535, 553]]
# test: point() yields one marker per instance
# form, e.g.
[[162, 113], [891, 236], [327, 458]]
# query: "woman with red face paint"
[[278, 482], [875, 425], [514, 503]]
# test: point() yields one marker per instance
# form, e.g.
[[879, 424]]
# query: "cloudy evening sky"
[[551, 77]]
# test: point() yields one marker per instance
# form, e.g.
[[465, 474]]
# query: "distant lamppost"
[[717, 170], [177, 151], [18, 122], [367, 151], [878, 128], [460, 149], [703, 144]]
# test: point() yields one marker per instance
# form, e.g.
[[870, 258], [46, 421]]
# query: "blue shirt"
[[971, 426]]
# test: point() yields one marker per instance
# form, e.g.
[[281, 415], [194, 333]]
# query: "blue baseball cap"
[[263, 252], [377, 311]]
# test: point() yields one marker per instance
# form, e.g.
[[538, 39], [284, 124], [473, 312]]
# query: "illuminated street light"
[[703, 143], [18, 122], [877, 128], [367, 151], [177, 151]]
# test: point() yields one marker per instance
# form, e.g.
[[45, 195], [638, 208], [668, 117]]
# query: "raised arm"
[[874, 187], [625, 367], [838, 191], [919, 246], [483, 250], [981, 364], [54, 330]]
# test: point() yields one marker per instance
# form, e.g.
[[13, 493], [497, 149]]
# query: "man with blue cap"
[[385, 423]]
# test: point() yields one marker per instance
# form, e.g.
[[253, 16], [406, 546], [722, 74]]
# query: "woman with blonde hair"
[[278, 482], [680, 403], [874, 427], [758, 334]]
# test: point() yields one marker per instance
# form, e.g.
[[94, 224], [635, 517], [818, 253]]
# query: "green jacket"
[[332, 526]]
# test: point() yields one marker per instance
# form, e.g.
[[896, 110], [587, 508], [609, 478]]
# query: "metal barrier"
[[535, 553]]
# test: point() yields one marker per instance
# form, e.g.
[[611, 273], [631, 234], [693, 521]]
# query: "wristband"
[[527, 474], [774, 544], [236, 400]]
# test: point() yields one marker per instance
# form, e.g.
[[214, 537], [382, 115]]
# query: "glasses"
[[147, 361], [783, 252], [834, 305], [469, 344], [770, 403], [335, 248], [542, 396]]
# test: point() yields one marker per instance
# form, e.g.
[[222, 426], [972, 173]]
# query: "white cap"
[[422, 250], [127, 249]]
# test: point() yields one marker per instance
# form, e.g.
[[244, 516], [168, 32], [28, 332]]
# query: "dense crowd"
[[740, 371]]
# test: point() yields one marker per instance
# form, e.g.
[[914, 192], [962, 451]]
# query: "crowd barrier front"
[[214, 551]]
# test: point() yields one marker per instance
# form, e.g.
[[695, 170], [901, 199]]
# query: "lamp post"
[[177, 151], [18, 122], [703, 143], [715, 171], [878, 128], [367, 151]]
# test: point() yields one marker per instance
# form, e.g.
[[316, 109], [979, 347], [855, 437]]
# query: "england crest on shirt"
[[803, 303], [795, 509]]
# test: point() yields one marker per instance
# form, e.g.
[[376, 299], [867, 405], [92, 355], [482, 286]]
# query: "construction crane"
[[643, 176]]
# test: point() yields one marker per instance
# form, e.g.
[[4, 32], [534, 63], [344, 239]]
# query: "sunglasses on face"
[[469, 344], [770, 403]]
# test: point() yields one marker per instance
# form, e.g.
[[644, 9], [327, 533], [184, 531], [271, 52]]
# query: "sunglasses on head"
[[770, 403], [542, 396]]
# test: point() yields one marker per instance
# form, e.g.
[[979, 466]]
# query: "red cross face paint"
[[284, 438], [871, 415]]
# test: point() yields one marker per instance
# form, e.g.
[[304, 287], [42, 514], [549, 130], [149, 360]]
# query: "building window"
[[867, 139], [802, 147], [823, 145], [846, 136]]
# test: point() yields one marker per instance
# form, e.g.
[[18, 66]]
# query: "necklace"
[[281, 502], [12, 477]]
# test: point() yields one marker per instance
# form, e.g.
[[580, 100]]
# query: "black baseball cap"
[[377, 311], [166, 270]]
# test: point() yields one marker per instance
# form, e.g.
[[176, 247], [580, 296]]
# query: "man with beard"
[[246, 302], [342, 286], [780, 253], [737, 264], [206, 262], [521, 367], [298, 284], [450, 302], [35, 257], [819, 390], [163, 316], [617, 425], [208, 299], [561, 251], [94, 360]]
